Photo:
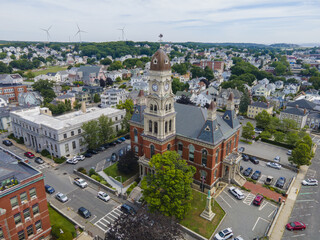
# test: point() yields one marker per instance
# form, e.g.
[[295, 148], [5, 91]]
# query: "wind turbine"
[[122, 32], [79, 32], [47, 31]]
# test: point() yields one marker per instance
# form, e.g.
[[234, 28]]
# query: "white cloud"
[[264, 21]]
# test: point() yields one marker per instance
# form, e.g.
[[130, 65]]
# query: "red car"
[[29, 154], [296, 226], [258, 200]]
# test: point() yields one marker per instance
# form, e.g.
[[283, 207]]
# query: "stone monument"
[[207, 213]]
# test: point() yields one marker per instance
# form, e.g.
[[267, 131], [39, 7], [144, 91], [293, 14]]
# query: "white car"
[[276, 159], [61, 197], [72, 161], [79, 157], [224, 234], [310, 182], [289, 152], [274, 165], [103, 196], [236, 192], [238, 238], [80, 182]]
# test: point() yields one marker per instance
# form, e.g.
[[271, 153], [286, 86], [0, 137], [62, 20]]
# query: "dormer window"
[[155, 61], [166, 61], [226, 117], [207, 129]]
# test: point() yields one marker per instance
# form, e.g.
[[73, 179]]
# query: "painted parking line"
[[262, 206], [225, 201], [300, 235], [271, 214], [232, 198], [259, 218], [248, 200], [306, 193]]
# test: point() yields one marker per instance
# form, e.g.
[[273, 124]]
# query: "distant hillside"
[[284, 45]]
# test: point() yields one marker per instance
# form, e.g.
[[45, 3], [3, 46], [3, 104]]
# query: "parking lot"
[[268, 171], [244, 218]]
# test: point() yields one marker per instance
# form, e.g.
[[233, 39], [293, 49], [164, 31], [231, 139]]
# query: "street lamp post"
[[121, 182]]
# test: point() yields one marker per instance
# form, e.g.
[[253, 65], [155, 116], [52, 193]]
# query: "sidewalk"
[[113, 183], [288, 206], [258, 188]]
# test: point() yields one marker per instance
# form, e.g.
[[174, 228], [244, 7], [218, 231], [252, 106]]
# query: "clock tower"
[[159, 115]]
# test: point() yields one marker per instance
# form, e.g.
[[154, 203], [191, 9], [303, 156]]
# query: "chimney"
[[297, 106], [83, 107], [230, 103], [212, 111], [305, 111], [207, 93], [45, 111]]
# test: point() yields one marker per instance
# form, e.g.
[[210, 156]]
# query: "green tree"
[[288, 124], [307, 140], [265, 135], [279, 136], [127, 105], [244, 102], [91, 133], [208, 73], [115, 66], [96, 98], [118, 79], [3, 55], [168, 190], [273, 124], [176, 85], [292, 138], [263, 119], [105, 129], [30, 75], [301, 155], [76, 105], [248, 131]]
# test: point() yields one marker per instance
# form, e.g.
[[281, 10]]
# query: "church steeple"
[[230, 102]]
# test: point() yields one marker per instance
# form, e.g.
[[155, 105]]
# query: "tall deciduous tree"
[[301, 155], [263, 119], [248, 131], [105, 129], [128, 163], [168, 190], [144, 226], [91, 133], [244, 102], [96, 98], [127, 105]]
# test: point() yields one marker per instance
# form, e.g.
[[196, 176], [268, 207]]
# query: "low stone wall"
[[192, 233], [130, 180], [89, 179], [275, 219]]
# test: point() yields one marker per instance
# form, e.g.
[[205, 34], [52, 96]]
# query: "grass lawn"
[[59, 220], [198, 224], [113, 172], [48, 69]]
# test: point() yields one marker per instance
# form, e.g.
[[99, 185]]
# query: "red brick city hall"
[[205, 139]]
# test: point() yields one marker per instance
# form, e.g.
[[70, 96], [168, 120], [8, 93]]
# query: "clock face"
[[154, 87], [166, 87]]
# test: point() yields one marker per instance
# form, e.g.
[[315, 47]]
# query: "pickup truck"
[[80, 182]]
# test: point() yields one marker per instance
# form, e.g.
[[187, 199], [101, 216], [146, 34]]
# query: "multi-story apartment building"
[[12, 91], [23, 204], [112, 97], [60, 135], [257, 107]]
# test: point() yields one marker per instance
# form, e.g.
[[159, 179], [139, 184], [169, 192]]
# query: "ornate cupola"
[[230, 116]]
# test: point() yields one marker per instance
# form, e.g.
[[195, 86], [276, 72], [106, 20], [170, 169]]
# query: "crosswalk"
[[248, 200], [109, 218], [42, 166]]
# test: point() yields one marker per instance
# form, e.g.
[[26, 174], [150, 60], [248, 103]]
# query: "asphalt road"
[[307, 207], [268, 171], [244, 218]]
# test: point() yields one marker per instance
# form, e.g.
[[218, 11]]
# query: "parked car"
[[49, 189], [296, 226], [128, 209], [114, 157], [118, 141], [84, 212], [87, 155], [269, 180], [7, 143], [236, 192], [241, 118], [29, 154], [241, 168], [256, 175], [258, 130], [72, 161], [258, 200], [79, 157], [247, 172], [122, 139], [113, 143], [245, 157], [101, 148], [80, 182], [274, 165], [103, 196], [38, 160], [92, 151], [280, 182], [289, 152], [254, 160], [121, 152], [241, 149], [276, 159], [61, 197], [310, 182], [224, 234]]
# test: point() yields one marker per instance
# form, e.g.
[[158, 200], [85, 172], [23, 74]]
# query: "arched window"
[[136, 149], [166, 127], [155, 127], [215, 174], [170, 125], [155, 108], [166, 107], [169, 106], [217, 155], [150, 126], [135, 132], [151, 107], [168, 147], [191, 152], [180, 148], [151, 150], [204, 157]]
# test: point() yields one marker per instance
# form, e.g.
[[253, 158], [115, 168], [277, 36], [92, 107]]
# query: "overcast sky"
[[258, 21]]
